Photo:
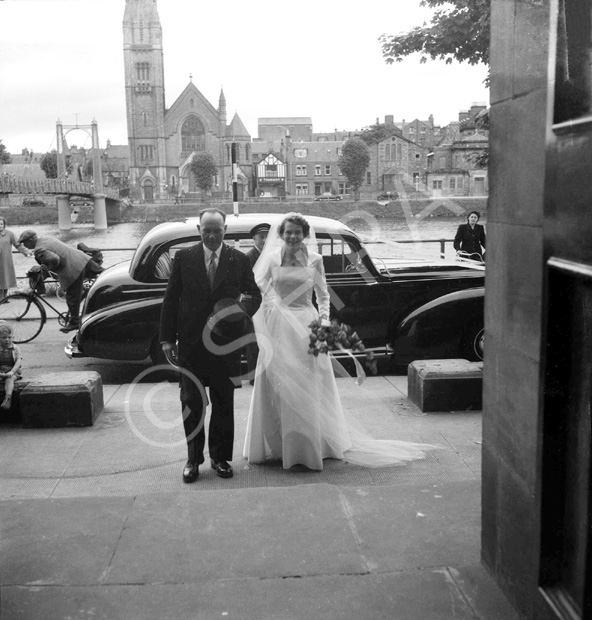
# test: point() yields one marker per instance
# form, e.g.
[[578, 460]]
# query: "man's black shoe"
[[222, 469], [190, 472]]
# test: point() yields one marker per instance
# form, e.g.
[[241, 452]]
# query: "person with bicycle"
[[70, 265], [470, 238]]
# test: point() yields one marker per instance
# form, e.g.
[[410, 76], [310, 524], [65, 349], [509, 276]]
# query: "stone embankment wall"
[[433, 207]]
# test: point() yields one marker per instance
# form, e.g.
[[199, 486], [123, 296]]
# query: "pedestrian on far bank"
[[10, 363], [69, 264], [470, 237], [7, 274]]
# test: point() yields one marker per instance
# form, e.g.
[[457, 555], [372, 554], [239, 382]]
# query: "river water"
[[120, 240]]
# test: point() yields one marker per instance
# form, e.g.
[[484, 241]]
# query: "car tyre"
[[473, 344]]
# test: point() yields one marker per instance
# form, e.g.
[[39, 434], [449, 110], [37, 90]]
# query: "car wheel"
[[473, 346]]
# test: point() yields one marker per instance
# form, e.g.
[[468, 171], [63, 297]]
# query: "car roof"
[[236, 225], [243, 223]]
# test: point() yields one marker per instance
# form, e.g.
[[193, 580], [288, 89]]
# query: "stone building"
[[537, 384], [162, 140], [311, 167], [397, 164]]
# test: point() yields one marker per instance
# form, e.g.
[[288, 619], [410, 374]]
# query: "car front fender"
[[120, 332], [450, 326]]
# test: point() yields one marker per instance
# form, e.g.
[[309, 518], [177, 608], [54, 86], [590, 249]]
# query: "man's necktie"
[[212, 270]]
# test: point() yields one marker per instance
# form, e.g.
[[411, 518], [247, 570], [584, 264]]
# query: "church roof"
[[236, 128]]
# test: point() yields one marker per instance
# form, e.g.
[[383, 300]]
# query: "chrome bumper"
[[71, 349]]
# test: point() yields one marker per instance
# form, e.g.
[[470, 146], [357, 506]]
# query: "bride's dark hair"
[[295, 218]]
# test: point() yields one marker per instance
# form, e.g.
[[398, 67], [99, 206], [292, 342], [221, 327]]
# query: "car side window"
[[339, 256], [164, 262]]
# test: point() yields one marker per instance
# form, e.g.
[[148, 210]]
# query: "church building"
[[162, 141]]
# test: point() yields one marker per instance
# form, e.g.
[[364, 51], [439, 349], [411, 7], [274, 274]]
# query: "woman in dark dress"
[[470, 237]]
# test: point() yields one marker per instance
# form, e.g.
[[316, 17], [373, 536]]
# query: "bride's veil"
[[274, 244]]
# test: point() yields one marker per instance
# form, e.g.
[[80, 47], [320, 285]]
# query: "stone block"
[[13, 415], [445, 385], [60, 399]]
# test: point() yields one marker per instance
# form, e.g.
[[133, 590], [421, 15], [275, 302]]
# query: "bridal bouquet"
[[335, 336]]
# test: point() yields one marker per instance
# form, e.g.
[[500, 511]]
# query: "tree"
[[460, 30], [49, 165], [204, 170], [353, 162], [379, 131], [5, 157]]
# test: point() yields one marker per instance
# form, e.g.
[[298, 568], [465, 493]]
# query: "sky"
[[63, 59]]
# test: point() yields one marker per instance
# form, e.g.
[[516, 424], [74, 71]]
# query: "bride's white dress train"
[[295, 413]]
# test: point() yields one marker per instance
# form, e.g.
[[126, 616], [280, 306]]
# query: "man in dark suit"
[[259, 234], [203, 276], [470, 237]]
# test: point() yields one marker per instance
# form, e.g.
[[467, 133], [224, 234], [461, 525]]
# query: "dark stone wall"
[[164, 212], [513, 303]]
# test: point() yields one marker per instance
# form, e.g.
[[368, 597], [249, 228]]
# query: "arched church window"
[[248, 153], [193, 135], [387, 152], [227, 153], [238, 152]]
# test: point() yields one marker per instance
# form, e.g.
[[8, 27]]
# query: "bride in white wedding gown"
[[295, 414]]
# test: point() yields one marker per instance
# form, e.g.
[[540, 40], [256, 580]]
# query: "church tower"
[[144, 95]]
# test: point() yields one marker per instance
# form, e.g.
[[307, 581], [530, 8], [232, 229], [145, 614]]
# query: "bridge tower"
[[100, 209], [145, 97]]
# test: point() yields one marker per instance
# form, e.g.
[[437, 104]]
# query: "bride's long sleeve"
[[321, 289]]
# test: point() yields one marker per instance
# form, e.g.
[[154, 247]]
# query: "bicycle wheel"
[[24, 314]]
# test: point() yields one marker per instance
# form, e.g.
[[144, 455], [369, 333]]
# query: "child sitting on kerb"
[[10, 363]]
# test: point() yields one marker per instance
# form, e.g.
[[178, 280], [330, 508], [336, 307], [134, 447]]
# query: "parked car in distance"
[[77, 201], [387, 196], [403, 308], [328, 196], [33, 202]]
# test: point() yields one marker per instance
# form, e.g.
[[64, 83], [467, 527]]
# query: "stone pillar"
[[64, 213], [100, 210]]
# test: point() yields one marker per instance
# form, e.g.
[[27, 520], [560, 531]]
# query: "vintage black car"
[[403, 308]]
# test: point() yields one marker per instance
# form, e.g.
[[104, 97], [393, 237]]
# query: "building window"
[[338, 150], [327, 189], [271, 170], [417, 156], [344, 189], [437, 184], [327, 170], [387, 152], [193, 135], [146, 151], [368, 178], [301, 171], [300, 153], [453, 184], [302, 188], [399, 151], [317, 171], [318, 189], [143, 71]]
